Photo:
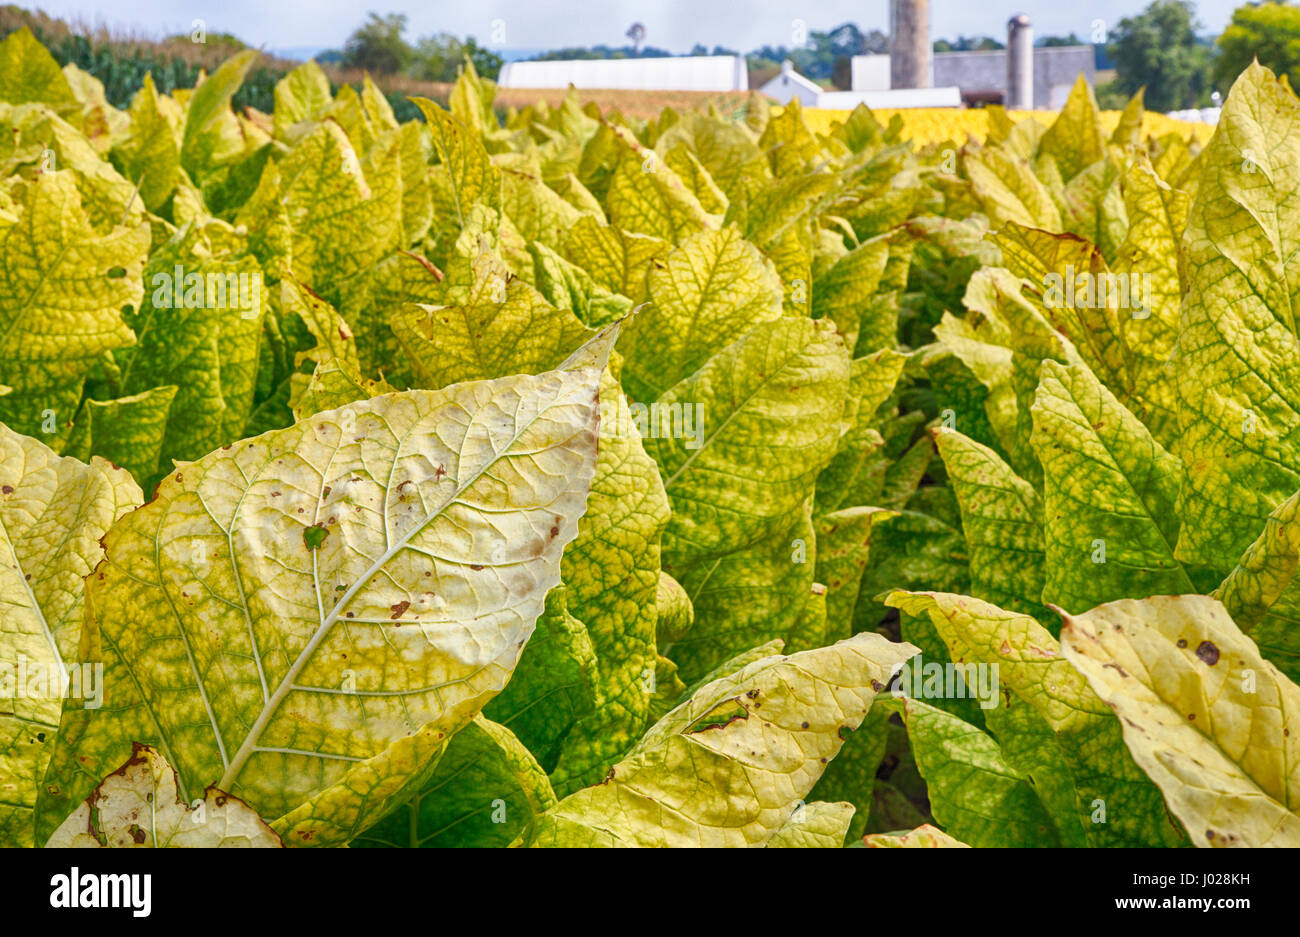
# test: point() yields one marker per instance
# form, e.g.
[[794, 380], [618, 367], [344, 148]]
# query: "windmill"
[[636, 32]]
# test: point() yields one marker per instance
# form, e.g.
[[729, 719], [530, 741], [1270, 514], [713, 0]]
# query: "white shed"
[[790, 84], [870, 72], [677, 73]]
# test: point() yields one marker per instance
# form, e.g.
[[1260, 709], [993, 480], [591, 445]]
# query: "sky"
[[676, 25]]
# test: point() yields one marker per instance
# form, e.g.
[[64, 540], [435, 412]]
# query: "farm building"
[[716, 73], [790, 84], [982, 76]]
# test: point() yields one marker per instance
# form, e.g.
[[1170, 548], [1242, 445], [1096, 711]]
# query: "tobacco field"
[[549, 478]]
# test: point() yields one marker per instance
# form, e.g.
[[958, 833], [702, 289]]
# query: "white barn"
[[715, 73], [790, 84]]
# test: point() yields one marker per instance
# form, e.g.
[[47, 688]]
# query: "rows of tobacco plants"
[[584, 481]]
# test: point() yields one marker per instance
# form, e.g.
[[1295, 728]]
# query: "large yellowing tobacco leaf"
[[29, 73], [706, 294], [729, 766], [1238, 355], [1203, 713], [1050, 725], [765, 419], [62, 289], [353, 588], [52, 513], [504, 326]]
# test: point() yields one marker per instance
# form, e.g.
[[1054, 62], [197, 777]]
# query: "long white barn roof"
[[684, 73]]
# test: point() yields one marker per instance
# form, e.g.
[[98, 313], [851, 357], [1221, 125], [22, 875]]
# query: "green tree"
[[1158, 49], [378, 45], [437, 57], [1269, 32]]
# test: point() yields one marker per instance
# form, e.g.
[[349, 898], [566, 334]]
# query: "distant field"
[[937, 124], [922, 124]]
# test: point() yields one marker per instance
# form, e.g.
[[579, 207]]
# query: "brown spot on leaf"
[[399, 609], [1207, 652]]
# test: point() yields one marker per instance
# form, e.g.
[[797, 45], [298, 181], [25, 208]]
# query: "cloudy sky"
[[672, 24]]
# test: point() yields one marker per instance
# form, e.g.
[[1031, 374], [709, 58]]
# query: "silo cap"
[[1020, 19]]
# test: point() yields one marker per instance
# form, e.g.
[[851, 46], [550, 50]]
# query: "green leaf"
[[127, 431], [747, 597], [150, 156], [1261, 593], [618, 260], [647, 197], [974, 792], [1152, 251], [1002, 519], [484, 791], [1110, 491], [1203, 714], [213, 137], [302, 95], [842, 294], [470, 176], [611, 575], [28, 73], [556, 683], [344, 221], [843, 549], [1009, 191], [199, 329]]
